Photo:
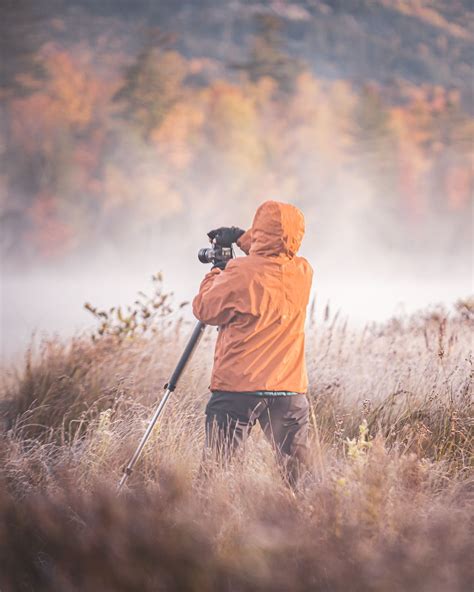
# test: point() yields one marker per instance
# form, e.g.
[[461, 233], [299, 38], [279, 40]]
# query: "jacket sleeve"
[[222, 295], [245, 241]]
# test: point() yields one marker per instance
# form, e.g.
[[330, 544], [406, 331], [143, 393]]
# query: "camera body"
[[217, 254], [221, 250]]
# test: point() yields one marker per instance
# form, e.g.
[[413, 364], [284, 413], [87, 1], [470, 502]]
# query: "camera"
[[221, 250], [217, 254]]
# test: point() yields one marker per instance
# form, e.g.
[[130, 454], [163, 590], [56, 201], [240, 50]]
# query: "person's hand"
[[225, 236]]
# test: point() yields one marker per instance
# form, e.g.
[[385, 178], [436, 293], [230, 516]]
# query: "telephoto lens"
[[206, 255]]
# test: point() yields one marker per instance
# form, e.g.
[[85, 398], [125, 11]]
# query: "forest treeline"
[[113, 129]]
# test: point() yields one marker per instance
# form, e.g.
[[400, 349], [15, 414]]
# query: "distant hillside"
[[382, 40], [422, 42], [357, 39]]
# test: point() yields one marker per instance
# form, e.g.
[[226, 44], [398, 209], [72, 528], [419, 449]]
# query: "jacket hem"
[[262, 393]]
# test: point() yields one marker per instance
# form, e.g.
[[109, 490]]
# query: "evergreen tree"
[[269, 56], [152, 86], [372, 131], [22, 32], [376, 155]]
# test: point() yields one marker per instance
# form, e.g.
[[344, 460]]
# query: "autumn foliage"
[[113, 140]]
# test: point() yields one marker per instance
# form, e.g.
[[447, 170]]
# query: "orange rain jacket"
[[259, 303]]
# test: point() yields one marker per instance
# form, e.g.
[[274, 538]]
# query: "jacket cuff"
[[245, 241]]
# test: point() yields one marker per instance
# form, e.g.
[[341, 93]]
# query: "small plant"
[[465, 308], [143, 318], [357, 447]]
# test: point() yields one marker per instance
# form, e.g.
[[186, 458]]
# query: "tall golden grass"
[[387, 504]]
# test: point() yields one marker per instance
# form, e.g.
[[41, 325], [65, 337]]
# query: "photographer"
[[259, 303]]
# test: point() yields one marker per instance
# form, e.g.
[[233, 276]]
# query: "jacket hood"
[[277, 229]]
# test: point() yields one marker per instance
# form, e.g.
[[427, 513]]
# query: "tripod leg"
[[186, 355], [169, 388], [129, 468]]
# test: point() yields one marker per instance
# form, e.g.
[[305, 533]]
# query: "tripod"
[[169, 388]]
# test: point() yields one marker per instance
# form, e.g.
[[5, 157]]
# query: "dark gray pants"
[[283, 419]]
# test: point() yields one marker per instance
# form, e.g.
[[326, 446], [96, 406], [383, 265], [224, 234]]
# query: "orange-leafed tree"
[[232, 127], [56, 143]]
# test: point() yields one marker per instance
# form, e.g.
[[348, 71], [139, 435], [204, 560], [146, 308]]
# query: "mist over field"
[[49, 300]]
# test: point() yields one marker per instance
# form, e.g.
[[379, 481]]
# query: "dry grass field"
[[387, 505]]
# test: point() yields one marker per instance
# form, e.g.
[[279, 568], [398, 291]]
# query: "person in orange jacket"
[[259, 304]]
